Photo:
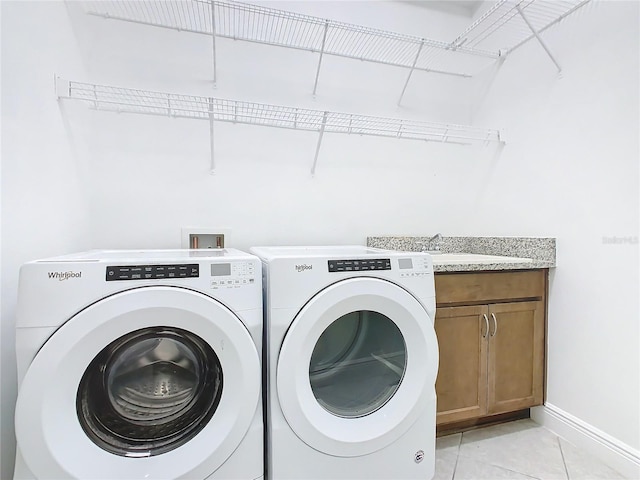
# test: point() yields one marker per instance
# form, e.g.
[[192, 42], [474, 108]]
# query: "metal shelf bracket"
[[315, 158], [211, 144], [324, 41], [213, 45], [413, 66], [537, 35]]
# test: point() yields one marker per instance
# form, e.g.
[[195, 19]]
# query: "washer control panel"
[[359, 265], [152, 272], [232, 274], [222, 274], [414, 266]]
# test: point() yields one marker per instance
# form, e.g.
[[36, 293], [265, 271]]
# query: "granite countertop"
[[465, 254]]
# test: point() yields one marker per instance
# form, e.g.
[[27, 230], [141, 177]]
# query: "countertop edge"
[[542, 250], [477, 267]]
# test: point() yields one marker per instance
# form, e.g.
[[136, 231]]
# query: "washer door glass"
[[149, 392], [357, 364]]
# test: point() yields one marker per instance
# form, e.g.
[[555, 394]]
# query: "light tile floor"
[[520, 450]]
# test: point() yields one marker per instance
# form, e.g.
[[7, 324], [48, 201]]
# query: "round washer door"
[[153, 382], [357, 367]]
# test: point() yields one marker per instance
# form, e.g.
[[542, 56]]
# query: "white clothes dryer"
[[140, 365], [351, 360]]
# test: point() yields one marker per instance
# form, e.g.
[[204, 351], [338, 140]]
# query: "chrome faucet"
[[433, 243]]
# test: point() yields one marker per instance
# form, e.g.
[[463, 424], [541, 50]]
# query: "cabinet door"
[[461, 386], [516, 355]]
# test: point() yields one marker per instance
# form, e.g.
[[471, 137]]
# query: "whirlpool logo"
[[303, 267], [61, 276]]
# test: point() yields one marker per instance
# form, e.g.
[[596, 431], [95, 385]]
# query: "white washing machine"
[[352, 359], [140, 365]]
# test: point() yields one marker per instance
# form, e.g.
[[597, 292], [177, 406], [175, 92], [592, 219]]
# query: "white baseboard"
[[614, 453]]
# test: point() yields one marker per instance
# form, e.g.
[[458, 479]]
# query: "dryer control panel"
[[362, 264]]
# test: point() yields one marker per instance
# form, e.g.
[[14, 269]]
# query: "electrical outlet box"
[[195, 238]]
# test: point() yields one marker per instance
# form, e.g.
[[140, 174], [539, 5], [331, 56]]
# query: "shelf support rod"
[[537, 35], [315, 159], [213, 163], [213, 41], [413, 66], [324, 40]]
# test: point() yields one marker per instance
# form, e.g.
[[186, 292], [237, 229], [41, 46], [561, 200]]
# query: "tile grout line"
[[503, 467], [564, 462], [455, 467], [490, 464]]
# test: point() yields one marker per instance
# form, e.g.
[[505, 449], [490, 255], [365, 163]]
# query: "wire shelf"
[[503, 27], [240, 21], [127, 100], [499, 31]]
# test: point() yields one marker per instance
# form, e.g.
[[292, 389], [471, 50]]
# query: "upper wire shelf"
[[503, 28], [128, 100], [241, 21], [509, 24]]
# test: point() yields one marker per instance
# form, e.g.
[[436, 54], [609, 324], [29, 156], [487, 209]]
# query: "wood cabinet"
[[461, 385], [490, 328]]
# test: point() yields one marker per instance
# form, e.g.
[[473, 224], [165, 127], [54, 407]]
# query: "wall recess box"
[[205, 237]]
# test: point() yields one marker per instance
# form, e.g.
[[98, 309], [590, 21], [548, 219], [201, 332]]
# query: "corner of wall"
[[614, 453]]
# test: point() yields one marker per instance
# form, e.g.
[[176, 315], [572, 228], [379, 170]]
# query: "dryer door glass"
[[149, 392], [357, 364]]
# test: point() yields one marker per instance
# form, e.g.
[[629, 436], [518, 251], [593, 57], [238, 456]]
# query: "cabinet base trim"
[[611, 451], [479, 422]]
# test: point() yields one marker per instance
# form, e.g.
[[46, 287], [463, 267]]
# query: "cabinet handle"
[[495, 323], [486, 322]]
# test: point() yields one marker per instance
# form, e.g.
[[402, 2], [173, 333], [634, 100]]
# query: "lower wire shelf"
[[129, 100]]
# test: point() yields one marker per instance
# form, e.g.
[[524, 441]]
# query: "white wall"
[[570, 170], [262, 189], [139, 179], [43, 204], [74, 179]]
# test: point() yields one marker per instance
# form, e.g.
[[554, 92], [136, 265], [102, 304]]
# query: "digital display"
[[405, 263], [220, 269]]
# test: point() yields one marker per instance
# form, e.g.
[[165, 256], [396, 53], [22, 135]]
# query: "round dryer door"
[[154, 382], [357, 367]]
